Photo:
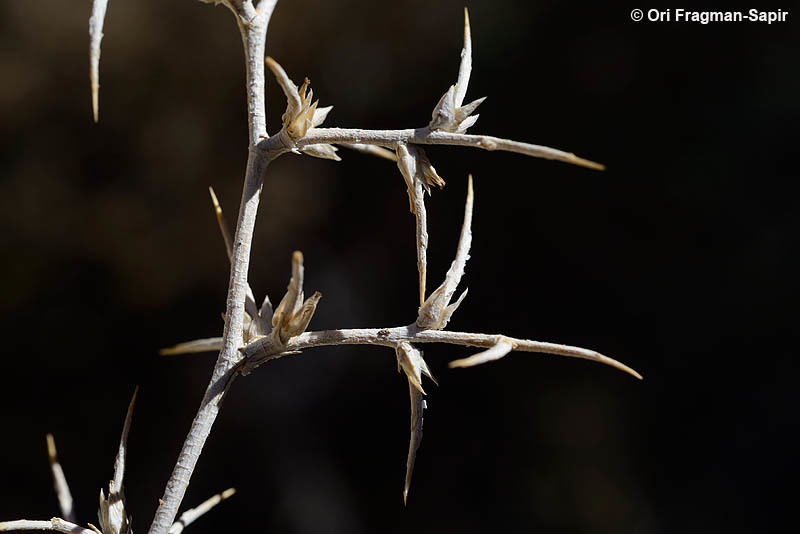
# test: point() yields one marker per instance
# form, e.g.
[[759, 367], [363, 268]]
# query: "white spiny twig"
[[56, 523], [252, 22], [60, 482], [191, 515], [450, 120], [260, 351], [301, 133], [423, 136], [96, 21]]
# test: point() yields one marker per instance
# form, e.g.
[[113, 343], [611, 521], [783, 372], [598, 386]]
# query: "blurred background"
[[680, 260]]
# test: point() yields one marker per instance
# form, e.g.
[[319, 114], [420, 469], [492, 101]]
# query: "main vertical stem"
[[253, 27]]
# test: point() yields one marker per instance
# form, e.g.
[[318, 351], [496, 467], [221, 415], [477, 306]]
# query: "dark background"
[[680, 260]]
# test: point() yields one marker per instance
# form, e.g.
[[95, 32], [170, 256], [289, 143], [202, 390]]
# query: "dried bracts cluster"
[[255, 334]]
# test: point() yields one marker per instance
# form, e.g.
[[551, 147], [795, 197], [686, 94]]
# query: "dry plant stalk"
[[254, 335]]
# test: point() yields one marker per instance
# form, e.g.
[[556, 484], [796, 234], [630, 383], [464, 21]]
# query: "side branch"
[[264, 349], [56, 524], [425, 136]]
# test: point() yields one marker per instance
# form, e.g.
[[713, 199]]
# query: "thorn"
[[497, 351], [51, 448], [465, 67], [96, 21], [572, 158], [95, 101], [214, 201], [223, 225]]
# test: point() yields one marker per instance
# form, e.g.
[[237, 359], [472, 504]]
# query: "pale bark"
[[55, 523], [253, 22], [265, 349], [423, 136]]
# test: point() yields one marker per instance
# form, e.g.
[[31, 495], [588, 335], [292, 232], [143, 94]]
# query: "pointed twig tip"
[[214, 199], [611, 362], [586, 163], [51, 447]]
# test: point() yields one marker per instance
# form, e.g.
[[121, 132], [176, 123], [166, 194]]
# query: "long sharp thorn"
[[250, 301], [96, 21], [417, 407], [60, 481], [465, 67], [223, 225], [119, 463], [191, 347]]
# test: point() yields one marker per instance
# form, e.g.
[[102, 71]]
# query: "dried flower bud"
[[448, 117], [293, 315], [411, 362], [416, 168], [301, 112], [321, 150]]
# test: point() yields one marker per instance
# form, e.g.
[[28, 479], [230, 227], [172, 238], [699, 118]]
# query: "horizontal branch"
[[425, 136], [265, 349], [54, 524]]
